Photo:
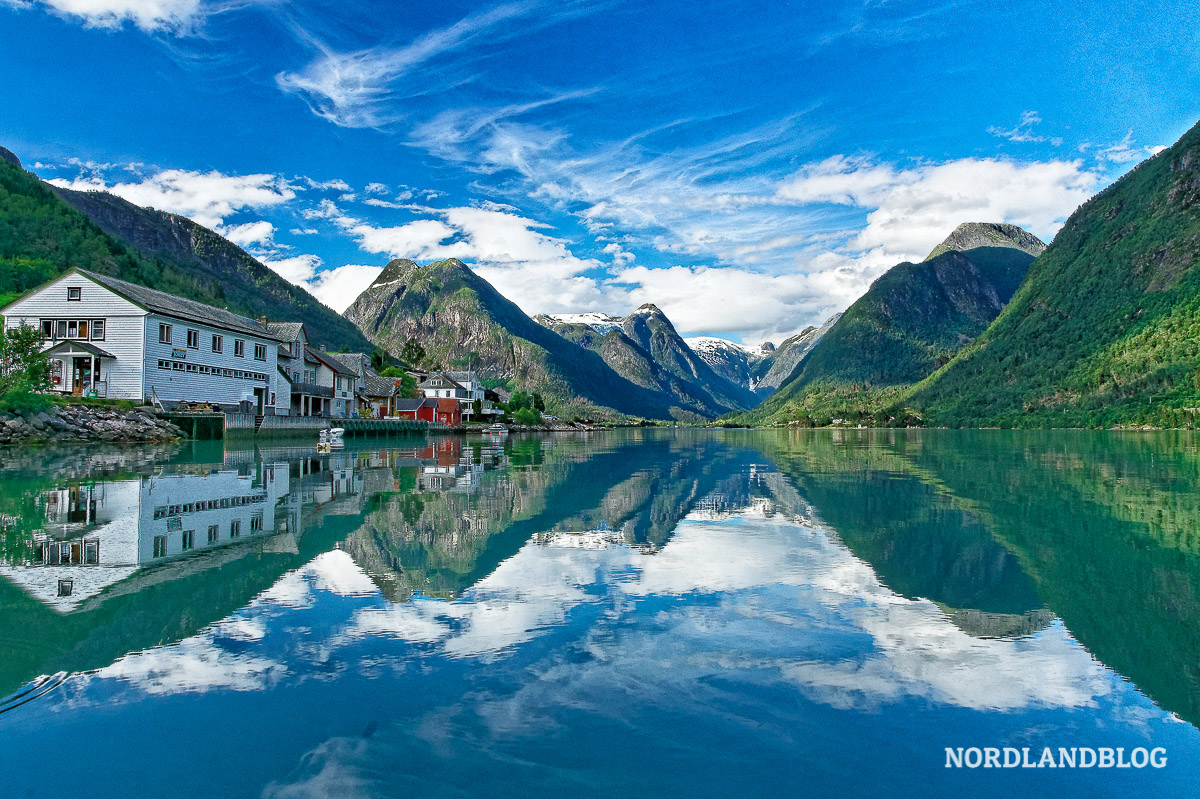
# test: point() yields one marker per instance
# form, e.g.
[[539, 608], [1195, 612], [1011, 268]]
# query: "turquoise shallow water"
[[629, 613]]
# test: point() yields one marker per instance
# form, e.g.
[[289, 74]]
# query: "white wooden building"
[[125, 341]]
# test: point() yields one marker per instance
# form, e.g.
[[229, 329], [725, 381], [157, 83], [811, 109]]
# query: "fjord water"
[[628, 613]]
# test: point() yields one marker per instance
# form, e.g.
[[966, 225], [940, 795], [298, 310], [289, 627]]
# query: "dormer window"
[[74, 293]]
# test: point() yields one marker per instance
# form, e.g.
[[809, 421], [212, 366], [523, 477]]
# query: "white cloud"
[[206, 197], [376, 188], [298, 269], [912, 209], [339, 287], [149, 15], [337, 184], [527, 265], [260, 232]]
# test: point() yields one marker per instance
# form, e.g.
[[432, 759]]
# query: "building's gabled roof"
[[332, 363], [375, 386], [283, 372], [447, 404], [188, 310], [351, 360], [453, 383], [460, 377], [408, 405], [287, 331]]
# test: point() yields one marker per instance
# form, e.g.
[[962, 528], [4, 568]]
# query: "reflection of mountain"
[[897, 520], [440, 542], [1102, 525]]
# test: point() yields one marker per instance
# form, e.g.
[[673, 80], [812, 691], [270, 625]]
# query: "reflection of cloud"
[[337, 573], [768, 599], [195, 664], [333, 768]]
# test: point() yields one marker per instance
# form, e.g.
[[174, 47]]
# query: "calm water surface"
[[658, 613]]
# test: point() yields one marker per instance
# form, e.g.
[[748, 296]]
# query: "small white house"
[[121, 340], [465, 387]]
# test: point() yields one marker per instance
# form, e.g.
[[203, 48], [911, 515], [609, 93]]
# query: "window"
[[72, 329], [214, 532], [97, 330], [164, 334], [66, 586], [189, 539], [193, 339], [239, 348], [260, 352], [74, 294], [235, 528], [60, 329], [216, 344], [160, 546], [256, 521]]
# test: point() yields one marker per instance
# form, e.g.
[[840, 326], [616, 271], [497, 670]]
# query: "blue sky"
[[749, 167]]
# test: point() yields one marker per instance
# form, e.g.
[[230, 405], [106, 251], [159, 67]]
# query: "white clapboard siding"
[[175, 386], [123, 334]]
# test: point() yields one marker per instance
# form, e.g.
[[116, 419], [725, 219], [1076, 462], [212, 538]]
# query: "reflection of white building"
[[96, 536]]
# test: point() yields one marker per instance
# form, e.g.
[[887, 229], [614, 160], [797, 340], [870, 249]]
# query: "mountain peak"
[[648, 308], [971, 235], [8, 155]]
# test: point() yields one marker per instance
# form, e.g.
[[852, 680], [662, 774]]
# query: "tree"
[[412, 353], [527, 416], [24, 368], [378, 360], [539, 404], [519, 400]]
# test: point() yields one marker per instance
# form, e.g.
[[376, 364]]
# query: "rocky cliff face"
[[774, 370], [731, 361], [463, 322], [972, 235], [650, 329], [645, 348]]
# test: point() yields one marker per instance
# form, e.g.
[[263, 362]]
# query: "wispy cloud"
[[1121, 152], [1023, 132], [360, 88]]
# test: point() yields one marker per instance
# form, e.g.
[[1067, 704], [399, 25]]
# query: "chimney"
[[262, 320], [322, 348]]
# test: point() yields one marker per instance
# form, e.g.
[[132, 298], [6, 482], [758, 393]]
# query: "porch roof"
[[73, 347]]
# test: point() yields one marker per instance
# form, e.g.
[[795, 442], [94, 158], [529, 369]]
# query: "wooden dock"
[[213, 426]]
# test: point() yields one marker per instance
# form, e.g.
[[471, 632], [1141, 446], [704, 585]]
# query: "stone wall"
[[73, 423]]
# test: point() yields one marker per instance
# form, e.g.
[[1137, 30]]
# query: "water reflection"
[[486, 610]]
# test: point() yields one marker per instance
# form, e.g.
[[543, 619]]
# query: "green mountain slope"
[[1104, 329], [911, 321], [461, 321], [45, 231]]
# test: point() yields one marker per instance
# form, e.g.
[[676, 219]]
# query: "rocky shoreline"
[[84, 423]]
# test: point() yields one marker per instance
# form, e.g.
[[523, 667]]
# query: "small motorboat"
[[495, 430]]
